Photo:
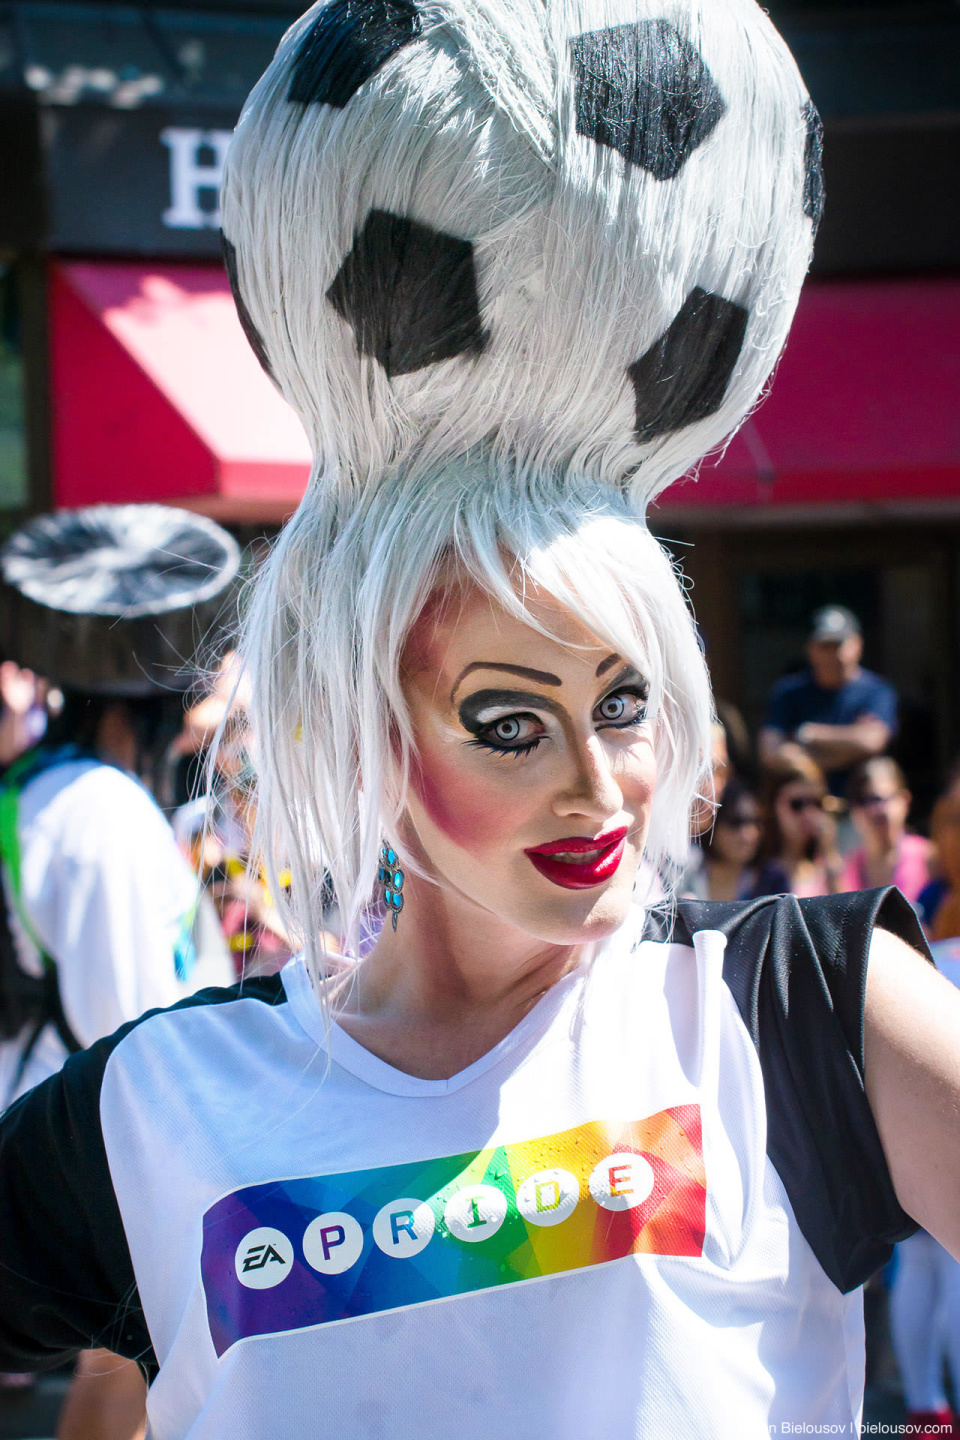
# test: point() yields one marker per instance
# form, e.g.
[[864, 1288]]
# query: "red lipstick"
[[601, 856]]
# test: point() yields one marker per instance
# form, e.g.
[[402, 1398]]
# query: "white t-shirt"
[[619, 1222], [111, 899]]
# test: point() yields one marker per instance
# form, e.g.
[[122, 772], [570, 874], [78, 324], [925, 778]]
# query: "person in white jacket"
[[102, 918]]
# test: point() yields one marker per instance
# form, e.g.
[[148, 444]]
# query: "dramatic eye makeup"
[[625, 703], [501, 722]]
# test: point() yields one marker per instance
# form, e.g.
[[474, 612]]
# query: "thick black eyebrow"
[[542, 677], [625, 674], [604, 665], [473, 705]]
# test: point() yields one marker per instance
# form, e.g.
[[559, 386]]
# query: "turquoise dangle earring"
[[391, 880]]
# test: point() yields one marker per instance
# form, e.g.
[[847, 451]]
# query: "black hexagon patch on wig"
[[645, 91], [249, 329], [684, 375], [410, 294], [347, 44], [813, 193]]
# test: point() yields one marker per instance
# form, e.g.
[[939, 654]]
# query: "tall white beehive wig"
[[517, 265], [574, 229]]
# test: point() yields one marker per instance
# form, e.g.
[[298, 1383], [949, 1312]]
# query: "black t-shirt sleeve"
[[66, 1277], [797, 970]]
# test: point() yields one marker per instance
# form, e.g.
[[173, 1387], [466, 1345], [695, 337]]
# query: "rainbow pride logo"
[[293, 1254]]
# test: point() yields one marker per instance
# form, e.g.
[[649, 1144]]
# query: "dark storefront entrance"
[[754, 592]]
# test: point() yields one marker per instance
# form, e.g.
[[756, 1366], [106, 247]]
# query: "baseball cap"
[[834, 623]]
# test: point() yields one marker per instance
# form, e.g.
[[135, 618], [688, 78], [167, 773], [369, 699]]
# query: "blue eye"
[[507, 731], [510, 735], [622, 708]]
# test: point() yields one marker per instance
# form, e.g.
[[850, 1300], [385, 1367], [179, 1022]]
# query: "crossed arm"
[[834, 747]]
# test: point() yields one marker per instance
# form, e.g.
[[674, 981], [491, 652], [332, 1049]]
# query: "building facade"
[[122, 374]]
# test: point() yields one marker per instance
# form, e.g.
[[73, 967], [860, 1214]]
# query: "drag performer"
[[559, 1156]]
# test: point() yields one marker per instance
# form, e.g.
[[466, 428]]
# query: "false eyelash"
[[639, 693], [523, 749]]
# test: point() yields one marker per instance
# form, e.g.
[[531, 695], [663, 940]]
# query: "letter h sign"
[[191, 173]]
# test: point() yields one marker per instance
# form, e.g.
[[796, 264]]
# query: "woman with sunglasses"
[[879, 805], [798, 849], [722, 864]]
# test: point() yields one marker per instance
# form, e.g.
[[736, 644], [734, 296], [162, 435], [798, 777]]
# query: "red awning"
[[156, 395], [864, 409]]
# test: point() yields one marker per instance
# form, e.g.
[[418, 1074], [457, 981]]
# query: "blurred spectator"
[[840, 713], [706, 805], [211, 826], [23, 716], [99, 919], [925, 1322], [939, 902], [721, 866], [740, 750], [798, 850], [879, 805], [216, 829], [101, 910]]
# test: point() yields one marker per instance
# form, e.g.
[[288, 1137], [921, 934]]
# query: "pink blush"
[[467, 812]]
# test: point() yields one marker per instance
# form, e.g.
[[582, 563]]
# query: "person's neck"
[[447, 985], [839, 682], [793, 857], [880, 860]]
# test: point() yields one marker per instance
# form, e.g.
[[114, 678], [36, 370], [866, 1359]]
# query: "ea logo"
[[622, 1181], [264, 1257]]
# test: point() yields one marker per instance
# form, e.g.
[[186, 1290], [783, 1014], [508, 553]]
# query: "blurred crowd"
[[202, 778], [820, 806]]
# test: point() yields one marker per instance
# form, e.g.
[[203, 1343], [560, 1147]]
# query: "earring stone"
[[390, 879]]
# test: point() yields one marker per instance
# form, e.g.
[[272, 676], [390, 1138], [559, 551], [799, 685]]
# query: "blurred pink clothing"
[[910, 876]]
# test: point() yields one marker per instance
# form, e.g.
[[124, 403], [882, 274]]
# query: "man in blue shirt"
[[839, 712]]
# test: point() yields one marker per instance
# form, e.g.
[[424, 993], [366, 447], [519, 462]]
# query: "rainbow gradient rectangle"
[[670, 1220]]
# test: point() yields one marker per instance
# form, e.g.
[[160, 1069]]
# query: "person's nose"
[[593, 791]]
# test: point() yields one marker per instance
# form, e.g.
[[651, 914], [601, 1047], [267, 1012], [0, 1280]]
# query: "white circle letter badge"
[[622, 1181], [476, 1212], [403, 1228], [264, 1257], [548, 1197], [333, 1242]]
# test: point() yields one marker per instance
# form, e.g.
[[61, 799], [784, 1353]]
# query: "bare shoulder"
[[912, 1074]]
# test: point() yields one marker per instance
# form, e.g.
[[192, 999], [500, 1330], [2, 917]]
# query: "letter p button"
[[332, 1243]]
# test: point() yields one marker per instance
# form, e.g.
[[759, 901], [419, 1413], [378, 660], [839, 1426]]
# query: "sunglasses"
[[740, 822], [866, 802], [799, 803]]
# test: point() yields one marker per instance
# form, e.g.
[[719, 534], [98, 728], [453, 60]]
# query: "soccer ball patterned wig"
[[517, 264]]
